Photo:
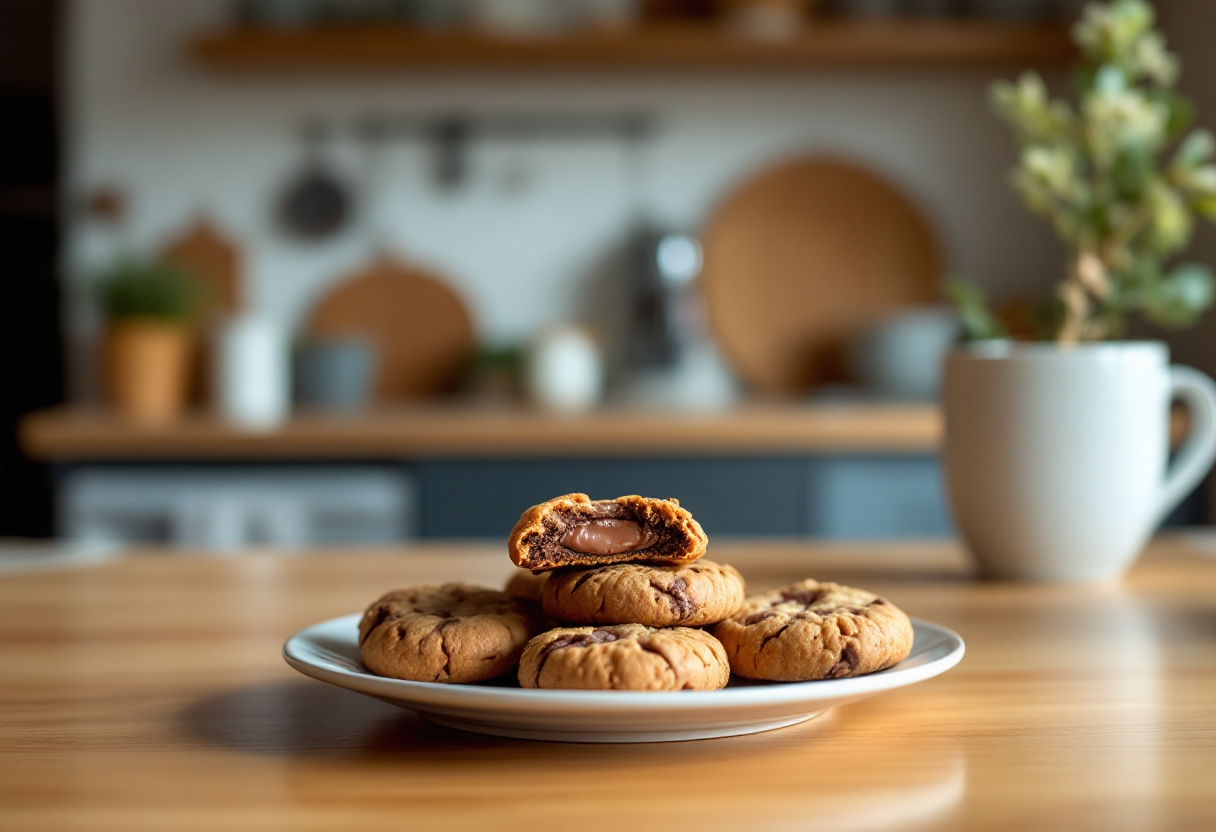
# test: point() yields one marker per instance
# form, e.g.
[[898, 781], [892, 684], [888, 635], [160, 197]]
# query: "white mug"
[[1056, 457]]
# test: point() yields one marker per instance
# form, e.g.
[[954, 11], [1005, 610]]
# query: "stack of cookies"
[[612, 595], [629, 574]]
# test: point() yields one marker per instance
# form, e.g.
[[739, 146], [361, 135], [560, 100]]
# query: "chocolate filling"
[[609, 536], [605, 522]]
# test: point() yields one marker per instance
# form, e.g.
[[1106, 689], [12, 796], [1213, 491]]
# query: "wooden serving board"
[[420, 329], [800, 258], [213, 260]]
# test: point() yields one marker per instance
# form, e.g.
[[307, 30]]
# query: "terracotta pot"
[[146, 366]]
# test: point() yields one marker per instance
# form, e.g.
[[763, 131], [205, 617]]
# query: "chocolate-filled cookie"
[[689, 595], [624, 657], [451, 633], [815, 631], [574, 530]]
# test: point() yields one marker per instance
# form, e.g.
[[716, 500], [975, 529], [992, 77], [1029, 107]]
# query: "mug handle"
[[1197, 452]]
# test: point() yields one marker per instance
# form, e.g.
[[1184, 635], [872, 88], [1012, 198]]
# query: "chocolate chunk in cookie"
[[690, 595], [815, 631], [624, 657], [450, 633], [575, 530]]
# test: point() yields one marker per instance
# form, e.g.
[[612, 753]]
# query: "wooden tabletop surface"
[[462, 430], [149, 693]]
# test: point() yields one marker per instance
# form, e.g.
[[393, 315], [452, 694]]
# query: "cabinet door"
[[864, 498], [729, 496]]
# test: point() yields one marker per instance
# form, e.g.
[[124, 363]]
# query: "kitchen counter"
[[149, 693], [454, 430]]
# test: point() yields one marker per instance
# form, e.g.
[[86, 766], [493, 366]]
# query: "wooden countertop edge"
[[66, 434]]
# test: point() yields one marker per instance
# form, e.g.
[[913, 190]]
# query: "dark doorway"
[[31, 343]]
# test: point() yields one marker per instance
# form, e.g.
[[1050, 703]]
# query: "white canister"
[[253, 383], [565, 371]]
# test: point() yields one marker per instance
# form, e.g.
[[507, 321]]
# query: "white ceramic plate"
[[329, 651]]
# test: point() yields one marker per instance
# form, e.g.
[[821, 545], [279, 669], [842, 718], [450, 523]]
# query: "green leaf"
[[1197, 148], [1180, 112], [977, 320], [132, 288], [1048, 319], [1170, 223], [1110, 80], [1132, 171], [1205, 207], [1181, 296]]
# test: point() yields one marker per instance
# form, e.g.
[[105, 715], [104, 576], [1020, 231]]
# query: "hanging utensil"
[[318, 203]]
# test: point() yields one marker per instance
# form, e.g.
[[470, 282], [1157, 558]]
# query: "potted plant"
[[149, 310], [1056, 450]]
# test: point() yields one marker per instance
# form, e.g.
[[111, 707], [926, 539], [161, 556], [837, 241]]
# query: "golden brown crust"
[[527, 585], [690, 595], [451, 633], [624, 657], [535, 541], [813, 630]]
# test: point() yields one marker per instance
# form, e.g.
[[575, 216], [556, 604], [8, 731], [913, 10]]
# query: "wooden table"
[[149, 693]]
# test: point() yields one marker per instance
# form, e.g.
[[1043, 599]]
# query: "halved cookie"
[[574, 530], [813, 630], [624, 657]]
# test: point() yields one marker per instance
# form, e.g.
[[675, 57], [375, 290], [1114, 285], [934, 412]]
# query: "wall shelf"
[[462, 430], [924, 43]]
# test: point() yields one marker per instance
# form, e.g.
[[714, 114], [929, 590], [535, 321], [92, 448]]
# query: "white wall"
[[183, 139]]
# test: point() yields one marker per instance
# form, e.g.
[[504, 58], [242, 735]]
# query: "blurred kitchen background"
[[293, 273]]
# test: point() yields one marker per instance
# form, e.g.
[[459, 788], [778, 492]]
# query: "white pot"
[[1056, 458]]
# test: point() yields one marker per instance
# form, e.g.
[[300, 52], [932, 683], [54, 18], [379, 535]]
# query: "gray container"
[[334, 374]]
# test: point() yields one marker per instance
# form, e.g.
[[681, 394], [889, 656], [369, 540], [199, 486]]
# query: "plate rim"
[[408, 692]]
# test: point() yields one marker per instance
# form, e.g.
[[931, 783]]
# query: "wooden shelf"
[[462, 431], [928, 43]]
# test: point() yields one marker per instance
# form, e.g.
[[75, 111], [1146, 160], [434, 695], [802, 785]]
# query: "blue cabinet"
[[845, 497]]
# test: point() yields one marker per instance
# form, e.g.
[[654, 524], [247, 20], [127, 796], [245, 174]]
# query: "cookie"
[[451, 633], [624, 657], [575, 530], [526, 584], [690, 595], [815, 631]]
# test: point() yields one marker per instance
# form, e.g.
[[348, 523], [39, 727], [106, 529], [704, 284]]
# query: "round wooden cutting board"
[[802, 257], [421, 330]]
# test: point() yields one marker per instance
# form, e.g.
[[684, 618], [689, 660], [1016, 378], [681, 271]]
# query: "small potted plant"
[[149, 311], [1056, 450]]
